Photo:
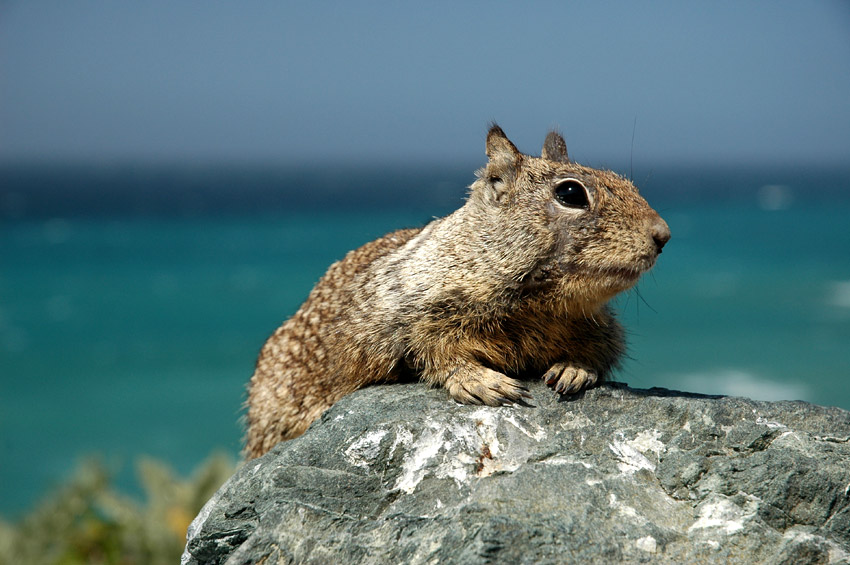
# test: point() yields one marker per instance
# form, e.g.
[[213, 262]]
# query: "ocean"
[[134, 299]]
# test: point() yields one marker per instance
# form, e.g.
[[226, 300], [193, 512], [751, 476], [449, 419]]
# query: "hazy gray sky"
[[311, 81]]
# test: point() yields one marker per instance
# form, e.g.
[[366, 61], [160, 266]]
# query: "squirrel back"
[[513, 284]]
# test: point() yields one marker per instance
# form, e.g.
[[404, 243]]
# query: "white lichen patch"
[[623, 509], [837, 554], [631, 460], [451, 449], [561, 460], [490, 458], [647, 544], [772, 425], [457, 468], [538, 435], [363, 451], [465, 447], [630, 457], [486, 422], [420, 452], [403, 436], [488, 466], [575, 421], [647, 440], [721, 515], [630, 453]]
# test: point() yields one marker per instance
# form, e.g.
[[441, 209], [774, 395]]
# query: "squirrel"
[[513, 284]]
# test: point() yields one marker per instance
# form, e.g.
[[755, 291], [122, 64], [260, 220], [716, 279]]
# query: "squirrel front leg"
[[469, 382], [602, 347]]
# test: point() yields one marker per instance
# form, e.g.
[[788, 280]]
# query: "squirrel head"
[[548, 223]]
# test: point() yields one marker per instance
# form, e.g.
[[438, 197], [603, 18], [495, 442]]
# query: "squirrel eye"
[[572, 194]]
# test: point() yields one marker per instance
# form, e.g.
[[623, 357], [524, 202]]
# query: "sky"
[[341, 82]]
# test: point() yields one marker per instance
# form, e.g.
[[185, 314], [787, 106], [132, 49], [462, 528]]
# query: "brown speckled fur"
[[513, 283]]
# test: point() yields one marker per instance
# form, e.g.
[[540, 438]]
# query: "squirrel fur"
[[514, 284]]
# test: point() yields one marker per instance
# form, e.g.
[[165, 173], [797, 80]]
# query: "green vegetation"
[[87, 521]]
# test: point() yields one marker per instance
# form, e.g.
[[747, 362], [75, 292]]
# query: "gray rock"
[[401, 474]]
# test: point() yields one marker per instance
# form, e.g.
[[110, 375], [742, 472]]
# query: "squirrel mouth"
[[607, 278], [621, 278], [628, 274]]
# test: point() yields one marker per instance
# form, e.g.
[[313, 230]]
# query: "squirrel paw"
[[565, 378], [479, 385]]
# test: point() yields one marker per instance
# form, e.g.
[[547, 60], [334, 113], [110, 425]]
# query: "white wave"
[[718, 284], [736, 382], [775, 197], [839, 294]]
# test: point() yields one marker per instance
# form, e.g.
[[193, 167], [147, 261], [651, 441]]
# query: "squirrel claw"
[[569, 379], [551, 376], [524, 395], [479, 385]]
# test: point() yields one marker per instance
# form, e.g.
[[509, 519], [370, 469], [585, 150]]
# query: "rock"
[[401, 474]]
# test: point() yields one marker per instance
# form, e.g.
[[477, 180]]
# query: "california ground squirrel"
[[515, 282]]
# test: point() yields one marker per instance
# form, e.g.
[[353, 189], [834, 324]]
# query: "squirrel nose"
[[660, 233]]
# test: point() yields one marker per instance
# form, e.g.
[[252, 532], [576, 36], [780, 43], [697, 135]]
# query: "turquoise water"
[[134, 332]]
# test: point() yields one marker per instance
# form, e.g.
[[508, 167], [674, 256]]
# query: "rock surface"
[[401, 474]]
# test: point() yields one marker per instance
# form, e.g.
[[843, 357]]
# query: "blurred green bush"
[[87, 521]]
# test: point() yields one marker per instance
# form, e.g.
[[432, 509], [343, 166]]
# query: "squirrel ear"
[[555, 148], [499, 147]]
